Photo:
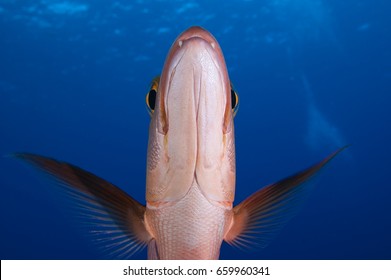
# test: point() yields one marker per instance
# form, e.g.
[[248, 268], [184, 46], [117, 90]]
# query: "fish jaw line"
[[194, 95]]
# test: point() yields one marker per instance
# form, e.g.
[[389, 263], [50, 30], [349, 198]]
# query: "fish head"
[[191, 137]]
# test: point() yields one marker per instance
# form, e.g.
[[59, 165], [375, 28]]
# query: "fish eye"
[[234, 100], [150, 99]]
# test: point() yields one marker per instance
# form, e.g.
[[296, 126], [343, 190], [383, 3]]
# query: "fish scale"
[[183, 230]]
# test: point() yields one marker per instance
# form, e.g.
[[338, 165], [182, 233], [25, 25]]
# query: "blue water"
[[312, 76]]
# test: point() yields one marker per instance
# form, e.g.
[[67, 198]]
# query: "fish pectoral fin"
[[261, 215], [116, 219]]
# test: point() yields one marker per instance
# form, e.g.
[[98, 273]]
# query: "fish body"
[[191, 151], [190, 176]]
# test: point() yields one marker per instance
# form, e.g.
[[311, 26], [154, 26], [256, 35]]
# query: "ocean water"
[[312, 76]]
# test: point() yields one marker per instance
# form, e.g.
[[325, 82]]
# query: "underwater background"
[[312, 76]]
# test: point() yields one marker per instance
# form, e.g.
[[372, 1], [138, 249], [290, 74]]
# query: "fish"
[[190, 173]]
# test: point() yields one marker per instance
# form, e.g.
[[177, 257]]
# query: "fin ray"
[[262, 214], [109, 212]]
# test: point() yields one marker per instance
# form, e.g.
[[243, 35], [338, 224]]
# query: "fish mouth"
[[196, 56], [197, 32]]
